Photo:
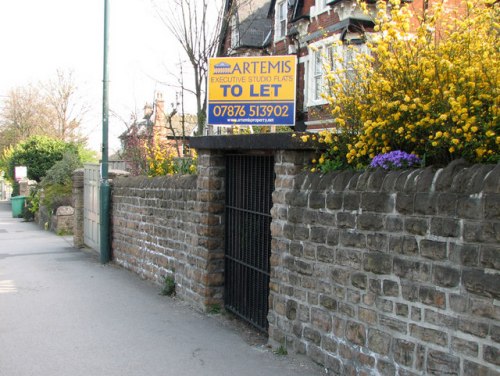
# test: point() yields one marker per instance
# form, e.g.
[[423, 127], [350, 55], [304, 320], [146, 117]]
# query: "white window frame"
[[322, 52], [320, 6], [315, 72], [235, 33], [350, 54], [281, 20], [322, 60], [351, 9]]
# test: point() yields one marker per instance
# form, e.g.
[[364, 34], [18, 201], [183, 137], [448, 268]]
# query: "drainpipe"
[[299, 125], [105, 253]]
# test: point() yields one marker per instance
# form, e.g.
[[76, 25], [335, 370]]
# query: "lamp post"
[[105, 253]]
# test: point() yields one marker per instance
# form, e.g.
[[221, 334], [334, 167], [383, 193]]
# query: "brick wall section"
[[172, 226], [210, 196], [388, 273]]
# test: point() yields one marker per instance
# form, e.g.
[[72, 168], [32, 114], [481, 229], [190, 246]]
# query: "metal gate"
[[249, 186]]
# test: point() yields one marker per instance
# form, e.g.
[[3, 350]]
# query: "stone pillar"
[[210, 241], [78, 184], [290, 155], [26, 186], [23, 187], [63, 220]]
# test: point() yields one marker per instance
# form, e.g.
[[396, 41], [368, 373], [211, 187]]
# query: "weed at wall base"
[[214, 309], [168, 286]]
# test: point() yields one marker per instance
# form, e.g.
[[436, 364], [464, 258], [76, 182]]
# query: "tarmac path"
[[63, 313]]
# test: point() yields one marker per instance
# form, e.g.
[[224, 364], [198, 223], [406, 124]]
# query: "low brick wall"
[[172, 226], [388, 273], [153, 224]]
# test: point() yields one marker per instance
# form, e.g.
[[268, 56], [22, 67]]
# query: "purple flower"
[[395, 160]]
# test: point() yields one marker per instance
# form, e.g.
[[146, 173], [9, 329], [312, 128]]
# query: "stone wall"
[[372, 273], [388, 273], [63, 220], [172, 226]]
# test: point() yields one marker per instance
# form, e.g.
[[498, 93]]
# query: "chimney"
[[148, 112], [159, 110], [160, 119]]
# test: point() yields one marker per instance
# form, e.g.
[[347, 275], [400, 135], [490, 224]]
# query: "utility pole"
[[105, 254]]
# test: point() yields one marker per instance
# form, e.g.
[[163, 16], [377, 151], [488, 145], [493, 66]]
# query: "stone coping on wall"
[[159, 182], [262, 141], [457, 177]]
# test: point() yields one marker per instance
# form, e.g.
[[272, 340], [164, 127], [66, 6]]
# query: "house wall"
[[322, 21], [315, 29], [313, 26], [390, 273]]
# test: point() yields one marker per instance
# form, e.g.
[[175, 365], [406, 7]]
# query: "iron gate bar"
[[248, 211], [247, 265], [249, 186]]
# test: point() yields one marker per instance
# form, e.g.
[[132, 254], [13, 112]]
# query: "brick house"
[[168, 127], [173, 129], [307, 28]]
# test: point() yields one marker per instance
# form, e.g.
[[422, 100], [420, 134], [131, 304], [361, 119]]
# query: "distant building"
[[169, 128]]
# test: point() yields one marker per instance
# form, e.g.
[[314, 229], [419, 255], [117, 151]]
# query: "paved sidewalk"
[[62, 313]]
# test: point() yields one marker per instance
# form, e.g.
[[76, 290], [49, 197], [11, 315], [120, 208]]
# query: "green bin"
[[17, 204]]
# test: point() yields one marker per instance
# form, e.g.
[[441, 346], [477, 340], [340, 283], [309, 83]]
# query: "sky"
[[38, 37]]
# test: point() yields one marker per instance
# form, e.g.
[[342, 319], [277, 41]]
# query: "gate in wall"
[[91, 178], [249, 188], [91, 186]]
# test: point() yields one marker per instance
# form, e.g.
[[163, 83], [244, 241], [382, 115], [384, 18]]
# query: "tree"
[[25, 114], [134, 148], [57, 183], [49, 109], [67, 111], [430, 89], [191, 24], [38, 154]]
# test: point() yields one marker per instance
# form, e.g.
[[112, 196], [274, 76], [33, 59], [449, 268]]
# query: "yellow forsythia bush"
[[429, 88], [161, 160]]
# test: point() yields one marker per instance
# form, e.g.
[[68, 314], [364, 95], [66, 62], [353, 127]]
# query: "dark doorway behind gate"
[[249, 188]]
